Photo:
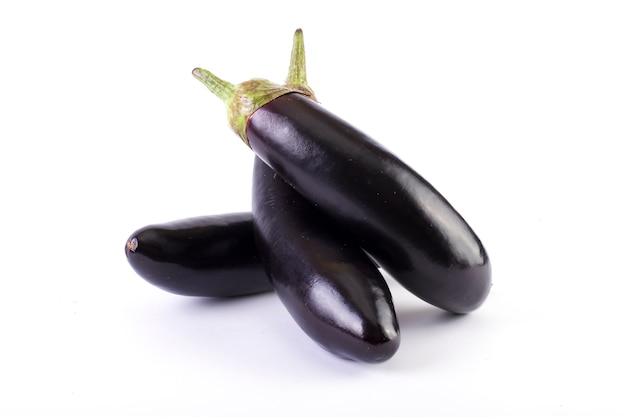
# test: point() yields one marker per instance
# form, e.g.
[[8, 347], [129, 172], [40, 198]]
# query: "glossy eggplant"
[[393, 213], [210, 256], [327, 283]]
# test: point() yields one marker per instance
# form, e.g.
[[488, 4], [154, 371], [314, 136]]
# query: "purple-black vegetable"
[[330, 286], [209, 256], [386, 206]]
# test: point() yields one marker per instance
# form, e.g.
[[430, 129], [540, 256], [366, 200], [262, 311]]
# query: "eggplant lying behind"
[[391, 211], [327, 283], [210, 256]]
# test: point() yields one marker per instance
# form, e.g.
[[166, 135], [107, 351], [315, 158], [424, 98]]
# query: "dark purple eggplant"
[[210, 256], [392, 212], [327, 283]]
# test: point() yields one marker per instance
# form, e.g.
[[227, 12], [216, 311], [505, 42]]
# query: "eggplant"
[[205, 256], [209, 256], [386, 206], [328, 284]]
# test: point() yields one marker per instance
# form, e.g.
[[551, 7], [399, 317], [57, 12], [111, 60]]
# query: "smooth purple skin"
[[391, 211], [331, 288], [210, 256]]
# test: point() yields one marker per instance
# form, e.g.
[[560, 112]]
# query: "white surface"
[[515, 111]]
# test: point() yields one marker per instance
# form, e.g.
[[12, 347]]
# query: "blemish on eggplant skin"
[[132, 244]]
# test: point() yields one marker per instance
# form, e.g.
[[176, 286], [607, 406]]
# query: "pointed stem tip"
[[297, 66], [222, 89]]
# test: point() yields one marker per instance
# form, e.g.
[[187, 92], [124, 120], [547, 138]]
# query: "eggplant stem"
[[297, 66], [222, 89], [243, 99], [296, 77]]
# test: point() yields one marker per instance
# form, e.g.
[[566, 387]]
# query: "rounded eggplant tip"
[[384, 350], [373, 353], [131, 245], [375, 345]]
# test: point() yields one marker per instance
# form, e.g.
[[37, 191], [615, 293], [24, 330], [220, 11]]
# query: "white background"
[[515, 111]]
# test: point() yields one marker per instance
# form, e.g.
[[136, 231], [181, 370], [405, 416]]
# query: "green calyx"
[[242, 100]]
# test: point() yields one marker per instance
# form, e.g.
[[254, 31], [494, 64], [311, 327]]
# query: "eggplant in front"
[[327, 283]]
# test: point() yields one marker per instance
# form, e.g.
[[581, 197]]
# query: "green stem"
[[242, 100], [296, 77], [222, 89], [297, 66]]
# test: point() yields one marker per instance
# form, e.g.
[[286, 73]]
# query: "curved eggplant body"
[[210, 256], [328, 284], [394, 214]]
